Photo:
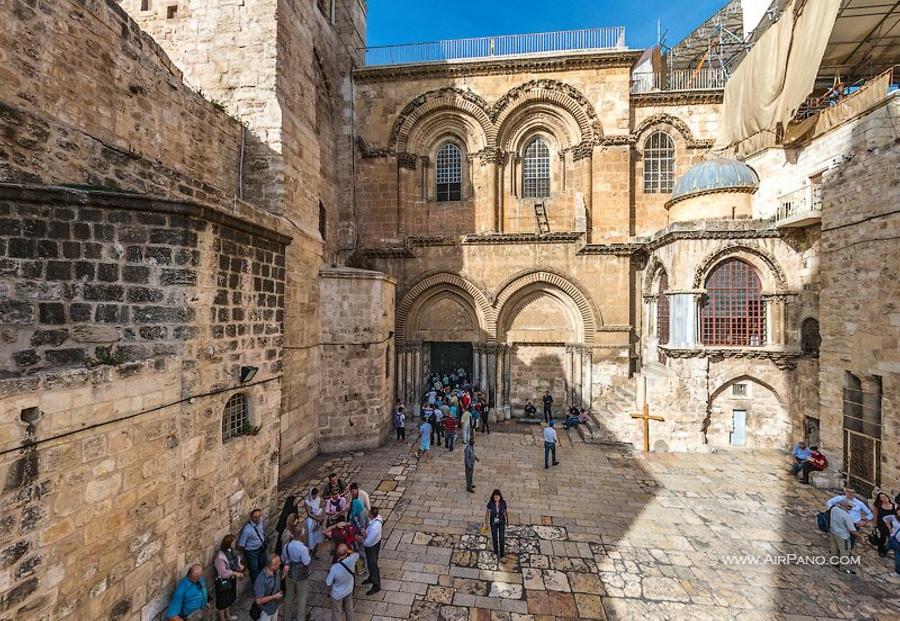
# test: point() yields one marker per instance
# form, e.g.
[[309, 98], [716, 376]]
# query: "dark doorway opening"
[[449, 357]]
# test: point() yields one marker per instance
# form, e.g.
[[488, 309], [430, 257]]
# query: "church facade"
[[223, 222]]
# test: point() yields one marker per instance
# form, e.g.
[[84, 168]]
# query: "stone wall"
[[125, 322], [860, 282], [356, 357], [100, 104], [284, 71]]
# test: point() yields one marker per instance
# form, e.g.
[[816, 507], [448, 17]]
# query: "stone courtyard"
[[608, 534]]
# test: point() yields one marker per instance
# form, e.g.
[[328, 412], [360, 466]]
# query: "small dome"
[[715, 174]]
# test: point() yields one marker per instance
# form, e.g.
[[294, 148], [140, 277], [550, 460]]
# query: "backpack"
[[398, 420], [823, 521]]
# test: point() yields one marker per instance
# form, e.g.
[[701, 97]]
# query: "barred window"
[[733, 312], [235, 416], [810, 340], [659, 163], [662, 310], [449, 173], [536, 170]]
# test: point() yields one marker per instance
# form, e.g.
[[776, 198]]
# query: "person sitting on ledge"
[[800, 453], [573, 418], [817, 461], [191, 597], [529, 410]]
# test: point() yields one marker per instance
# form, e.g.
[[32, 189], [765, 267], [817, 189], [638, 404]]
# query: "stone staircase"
[[613, 412]]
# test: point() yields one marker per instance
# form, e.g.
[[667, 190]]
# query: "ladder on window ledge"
[[540, 214]]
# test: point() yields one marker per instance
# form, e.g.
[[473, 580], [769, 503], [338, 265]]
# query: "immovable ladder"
[[540, 215]]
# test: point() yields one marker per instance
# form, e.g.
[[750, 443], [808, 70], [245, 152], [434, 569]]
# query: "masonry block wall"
[[860, 287], [127, 307], [284, 71], [356, 358], [126, 322]]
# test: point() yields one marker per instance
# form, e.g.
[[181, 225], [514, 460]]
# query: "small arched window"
[[733, 312], [662, 309], [659, 163], [235, 417], [810, 340], [536, 170], [448, 173]]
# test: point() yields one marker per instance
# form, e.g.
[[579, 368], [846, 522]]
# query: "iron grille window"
[[662, 310], [659, 163], [323, 221], [235, 416], [449, 173], [810, 340], [536, 170], [739, 390], [733, 312]]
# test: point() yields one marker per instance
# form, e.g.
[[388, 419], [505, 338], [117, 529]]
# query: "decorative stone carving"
[[407, 160], [673, 121], [722, 253], [368, 152], [780, 358]]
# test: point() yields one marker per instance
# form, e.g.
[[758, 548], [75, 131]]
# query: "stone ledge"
[[352, 273], [264, 226], [563, 237], [677, 98], [495, 66], [783, 358]]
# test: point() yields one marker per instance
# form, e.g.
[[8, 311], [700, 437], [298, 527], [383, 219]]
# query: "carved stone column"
[[587, 378], [776, 309]]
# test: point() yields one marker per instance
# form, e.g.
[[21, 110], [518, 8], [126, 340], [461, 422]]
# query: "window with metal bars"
[[235, 416], [810, 339], [659, 163], [662, 309], [536, 170], [733, 312], [448, 173]]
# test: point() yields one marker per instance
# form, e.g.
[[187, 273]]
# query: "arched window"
[[810, 340], [449, 173], [733, 312], [235, 416], [536, 170], [662, 309], [659, 163]]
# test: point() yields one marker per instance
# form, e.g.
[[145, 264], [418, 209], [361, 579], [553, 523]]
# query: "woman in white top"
[[315, 516]]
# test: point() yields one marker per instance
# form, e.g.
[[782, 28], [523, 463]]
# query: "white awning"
[[778, 74]]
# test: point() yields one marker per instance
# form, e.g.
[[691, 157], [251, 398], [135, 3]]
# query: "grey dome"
[[715, 174]]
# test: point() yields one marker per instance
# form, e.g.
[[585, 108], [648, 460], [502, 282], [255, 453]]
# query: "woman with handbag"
[[882, 507], [497, 516], [228, 570]]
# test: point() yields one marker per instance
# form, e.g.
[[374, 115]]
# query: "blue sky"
[[408, 21]]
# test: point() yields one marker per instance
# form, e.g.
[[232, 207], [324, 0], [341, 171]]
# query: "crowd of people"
[[847, 516], [279, 576]]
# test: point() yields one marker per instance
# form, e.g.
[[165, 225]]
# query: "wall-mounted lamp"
[[248, 373]]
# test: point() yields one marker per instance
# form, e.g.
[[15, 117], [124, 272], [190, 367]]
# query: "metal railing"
[[807, 199], [710, 78], [503, 45]]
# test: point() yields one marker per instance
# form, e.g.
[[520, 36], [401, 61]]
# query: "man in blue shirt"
[[296, 558], [801, 454], [190, 595], [252, 541], [858, 508], [267, 588]]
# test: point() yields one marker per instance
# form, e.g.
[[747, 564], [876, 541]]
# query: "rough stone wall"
[[125, 325], [860, 282], [767, 423], [357, 358], [534, 369], [101, 104], [284, 71]]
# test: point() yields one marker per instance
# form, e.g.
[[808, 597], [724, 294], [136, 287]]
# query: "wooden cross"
[[645, 416]]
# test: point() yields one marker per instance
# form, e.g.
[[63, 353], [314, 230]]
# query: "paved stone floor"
[[607, 534]]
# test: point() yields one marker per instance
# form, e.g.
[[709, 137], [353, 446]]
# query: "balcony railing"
[[800, 207], [587, 39], [710, 78]]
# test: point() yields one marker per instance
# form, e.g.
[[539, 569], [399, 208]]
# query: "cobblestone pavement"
[[607, 534]]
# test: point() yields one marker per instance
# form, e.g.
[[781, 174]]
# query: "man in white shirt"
[[341, 579], [296, 558], [550, 442], [843, 534], [858, 508], [372, 545]]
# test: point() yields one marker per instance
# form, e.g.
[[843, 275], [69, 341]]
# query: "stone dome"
[[716, 174]]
